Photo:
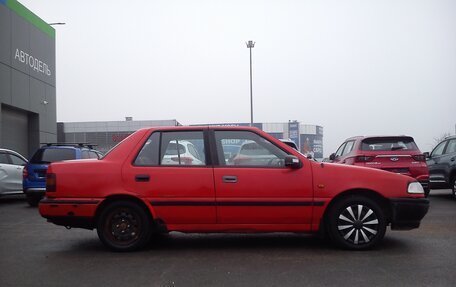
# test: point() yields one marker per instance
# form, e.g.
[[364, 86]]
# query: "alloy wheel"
[[358, 224]]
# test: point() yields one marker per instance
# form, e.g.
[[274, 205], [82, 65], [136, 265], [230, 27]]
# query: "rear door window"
[[451, 148], [17, 160], [388, 144], [348, 147], [93, 154], [182, 148], [85, 154], [186, 148], [340, 150], [4, 158], [438, 150]]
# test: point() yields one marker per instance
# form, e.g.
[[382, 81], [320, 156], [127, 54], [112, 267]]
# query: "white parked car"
[[181, 153], [11, 166]]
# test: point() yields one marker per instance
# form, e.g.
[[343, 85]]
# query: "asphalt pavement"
[[36, 253]]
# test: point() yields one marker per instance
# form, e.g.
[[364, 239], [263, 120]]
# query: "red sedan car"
[[132, 192]]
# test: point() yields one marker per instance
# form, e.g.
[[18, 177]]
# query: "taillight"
[[419, 157], [363, 158], [25, 173], [51, 182]]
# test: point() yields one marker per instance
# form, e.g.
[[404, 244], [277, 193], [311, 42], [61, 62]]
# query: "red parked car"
[[132, 193], [397, 154]]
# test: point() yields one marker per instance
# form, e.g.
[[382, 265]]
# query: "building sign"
[[36, 64], [293, 132], [312, 145]]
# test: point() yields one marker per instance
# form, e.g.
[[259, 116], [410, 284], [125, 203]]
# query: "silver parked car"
[[11, 166]]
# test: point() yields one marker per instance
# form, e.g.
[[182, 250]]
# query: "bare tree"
[[443, 136]]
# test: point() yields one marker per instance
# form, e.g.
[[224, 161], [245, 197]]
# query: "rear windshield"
[[388, 144], [49, 155]]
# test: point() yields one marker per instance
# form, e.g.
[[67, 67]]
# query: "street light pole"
[[250, 45]]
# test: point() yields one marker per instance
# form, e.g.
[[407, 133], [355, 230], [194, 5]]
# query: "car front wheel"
[[356, 222], [124, 226]]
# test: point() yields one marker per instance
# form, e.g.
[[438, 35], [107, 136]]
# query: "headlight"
[[415, 188]]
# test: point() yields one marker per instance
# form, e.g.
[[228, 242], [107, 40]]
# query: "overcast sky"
[[354, 67]]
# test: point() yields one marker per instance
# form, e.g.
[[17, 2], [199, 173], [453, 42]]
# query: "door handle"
[[452, 159], [229, 179], [142, 177]]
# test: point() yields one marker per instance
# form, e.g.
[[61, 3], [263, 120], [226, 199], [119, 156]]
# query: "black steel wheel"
[[32, 200], [124, 226], [356, 222]]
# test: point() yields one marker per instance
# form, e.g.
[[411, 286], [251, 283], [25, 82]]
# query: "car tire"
[[33, 200], [124, 226], [356, 223]]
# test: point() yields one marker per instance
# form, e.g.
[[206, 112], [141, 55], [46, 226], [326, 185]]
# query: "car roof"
[[377, 137], [13, 152], [208, 127], [10, 151], [80, 146]]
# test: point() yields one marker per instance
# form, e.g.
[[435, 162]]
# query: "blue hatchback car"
[[34, 173]]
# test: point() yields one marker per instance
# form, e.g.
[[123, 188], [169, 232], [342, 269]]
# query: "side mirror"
[[292, 162], [332, 157], [426, 154], [309, 156]]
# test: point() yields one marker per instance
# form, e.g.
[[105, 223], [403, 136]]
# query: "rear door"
[[254, 187], [179, 187]]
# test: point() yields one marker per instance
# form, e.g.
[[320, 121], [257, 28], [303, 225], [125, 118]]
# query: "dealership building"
[[28, 96], [27, 79], [309, 138]]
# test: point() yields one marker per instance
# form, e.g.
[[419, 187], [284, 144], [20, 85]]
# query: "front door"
[[436, 165], [254, 187]]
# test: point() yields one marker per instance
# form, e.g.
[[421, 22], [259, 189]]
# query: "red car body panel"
[[196, 199]]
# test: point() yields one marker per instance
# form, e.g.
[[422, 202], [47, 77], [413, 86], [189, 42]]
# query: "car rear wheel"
[[356, 222], [124, 226], [33, 200]]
